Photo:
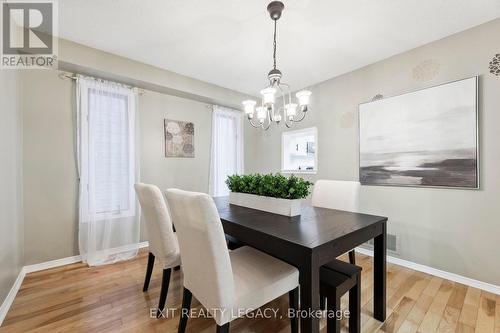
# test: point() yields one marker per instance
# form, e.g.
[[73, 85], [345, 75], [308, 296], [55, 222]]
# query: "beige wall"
[[50, 175], [11, 214], [452, 230], [187, 173]]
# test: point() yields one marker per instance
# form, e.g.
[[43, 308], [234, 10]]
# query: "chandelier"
[[276, 103]]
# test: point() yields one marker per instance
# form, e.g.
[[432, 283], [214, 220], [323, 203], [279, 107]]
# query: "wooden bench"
[[337, 278]]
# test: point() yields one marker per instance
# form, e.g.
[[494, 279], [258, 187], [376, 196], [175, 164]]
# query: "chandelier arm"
[[283, 95], [265, 128], [284, 103], [302, 118], [253, 125], [290, 99], [270, 113], [269, 121], [289, 91]]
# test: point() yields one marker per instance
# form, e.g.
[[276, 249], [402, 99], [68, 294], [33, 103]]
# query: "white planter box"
[[285, 207]]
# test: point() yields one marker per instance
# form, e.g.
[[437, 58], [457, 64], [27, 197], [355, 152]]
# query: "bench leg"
[[333, 306], [223, 329], [354, 307], [352, 257]]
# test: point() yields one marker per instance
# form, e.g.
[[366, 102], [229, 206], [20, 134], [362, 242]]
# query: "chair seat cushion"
[[258, 279]]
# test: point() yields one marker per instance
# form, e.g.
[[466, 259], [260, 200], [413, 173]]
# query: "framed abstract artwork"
[[422, 138], [179, 138]]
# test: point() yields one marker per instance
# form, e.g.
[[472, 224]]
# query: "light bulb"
[[291, 110], [268, 95], [261, 113], [303, 96], [249, 106]]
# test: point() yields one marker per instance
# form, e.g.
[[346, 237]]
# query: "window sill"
[[307, 172], [111, 217]]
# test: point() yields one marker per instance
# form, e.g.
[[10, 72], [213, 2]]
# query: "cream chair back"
[[204, 254], [162, 240], [336, 194]]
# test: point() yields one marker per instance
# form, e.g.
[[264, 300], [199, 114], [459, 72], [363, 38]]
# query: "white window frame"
[[90, 213], [296, 132]]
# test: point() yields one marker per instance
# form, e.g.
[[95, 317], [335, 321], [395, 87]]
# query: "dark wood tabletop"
[[309, 241]]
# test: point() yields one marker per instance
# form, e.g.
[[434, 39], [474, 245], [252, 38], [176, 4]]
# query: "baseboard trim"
[[72, 260], [51, 264], [437, 272], [4, 308], [7, 303]]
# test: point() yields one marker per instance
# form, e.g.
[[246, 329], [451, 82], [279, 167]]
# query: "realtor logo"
[[28, 34]]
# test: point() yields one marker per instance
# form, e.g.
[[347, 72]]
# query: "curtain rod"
[[69, 72], [73, 76]]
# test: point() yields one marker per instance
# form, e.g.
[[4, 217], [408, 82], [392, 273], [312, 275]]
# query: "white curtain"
[[107, 133], [227, 148]]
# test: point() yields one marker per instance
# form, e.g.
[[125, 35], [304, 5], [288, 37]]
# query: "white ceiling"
[[229, 42]]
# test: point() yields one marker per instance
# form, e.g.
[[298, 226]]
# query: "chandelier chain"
[[274, 45]]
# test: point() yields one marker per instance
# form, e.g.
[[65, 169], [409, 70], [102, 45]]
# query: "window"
[[227, 148], [299, 151], [109, 142], [107, 162]]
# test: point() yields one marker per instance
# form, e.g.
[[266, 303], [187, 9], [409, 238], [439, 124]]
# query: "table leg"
[[309, 298], [379, 275]]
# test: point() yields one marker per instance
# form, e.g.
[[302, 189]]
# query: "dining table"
[[308, 241]]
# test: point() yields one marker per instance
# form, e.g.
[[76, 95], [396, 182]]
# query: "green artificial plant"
[[270, 185]]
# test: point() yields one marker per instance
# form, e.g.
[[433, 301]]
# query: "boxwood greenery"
[[270, 185]]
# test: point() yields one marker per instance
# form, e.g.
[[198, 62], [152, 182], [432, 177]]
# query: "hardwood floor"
[[76, 298]]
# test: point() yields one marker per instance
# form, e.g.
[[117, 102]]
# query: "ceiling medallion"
[[276, 102]]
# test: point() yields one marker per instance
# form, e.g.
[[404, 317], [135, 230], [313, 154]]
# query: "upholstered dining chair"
[[225, 283], [337, 194], [162, 238]]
